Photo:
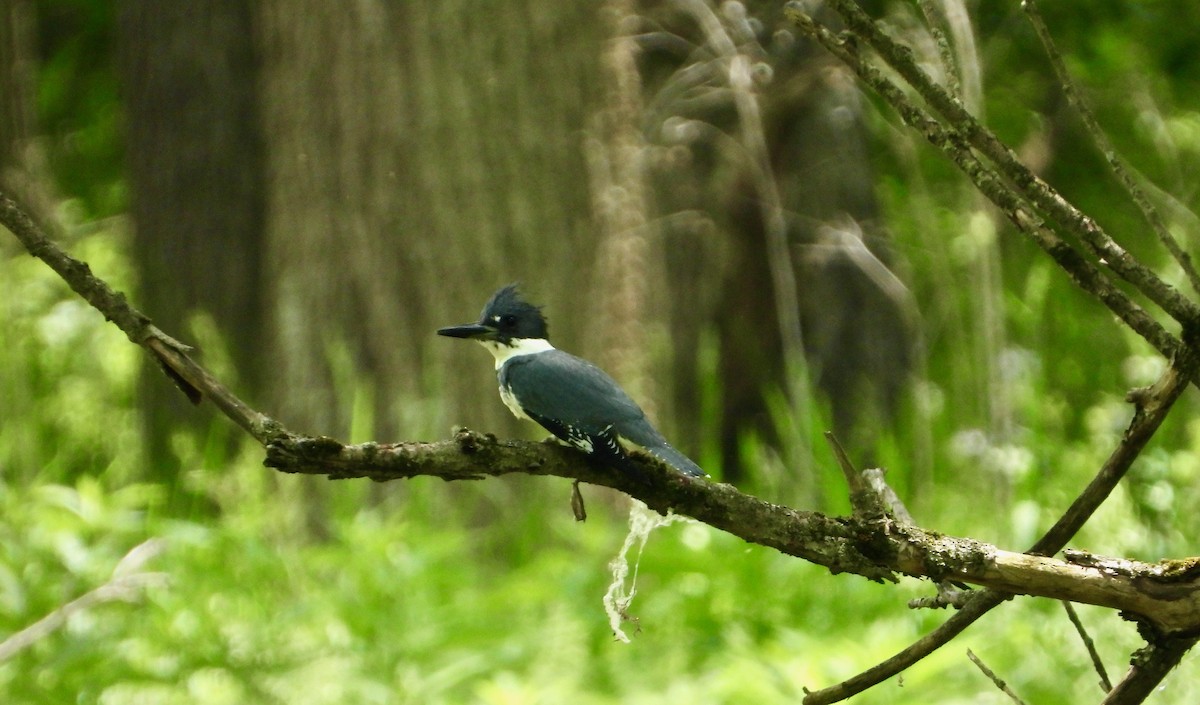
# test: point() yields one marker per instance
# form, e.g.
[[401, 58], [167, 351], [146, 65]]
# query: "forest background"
[[305, 191]]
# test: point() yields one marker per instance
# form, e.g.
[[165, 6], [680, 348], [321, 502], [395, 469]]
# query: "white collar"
[[519, 346]]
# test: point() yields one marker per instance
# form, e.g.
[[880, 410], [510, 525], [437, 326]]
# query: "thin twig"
[[125, 585], [1097, 663], [997, 680], [75, 273], [933, 22], [980, 604], [868, 503], [962, 34], [853, 478], [1104, 144], [1151, 405], [172, 355]]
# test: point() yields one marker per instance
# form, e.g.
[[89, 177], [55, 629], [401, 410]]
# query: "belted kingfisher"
[[570, 397]]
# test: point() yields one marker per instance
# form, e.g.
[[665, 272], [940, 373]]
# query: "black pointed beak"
[[470, 331]]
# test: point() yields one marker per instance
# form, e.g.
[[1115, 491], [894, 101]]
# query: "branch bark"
[[1165, 596], [971, 132], [1116, 163], [1021, 195], [1017, 205]]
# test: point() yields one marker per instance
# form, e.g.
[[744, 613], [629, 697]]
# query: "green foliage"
[[66, 376], [77, 102], [489, 592], [395, 607]]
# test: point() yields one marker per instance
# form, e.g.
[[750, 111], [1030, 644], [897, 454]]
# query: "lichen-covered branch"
[[1024, 198], [1016, 207], [1114, 160], [1047, 200], [1165, 596]]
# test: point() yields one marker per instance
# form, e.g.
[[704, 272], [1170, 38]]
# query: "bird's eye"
[[508, 320]]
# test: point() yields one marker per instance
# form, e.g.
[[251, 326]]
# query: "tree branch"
[[1014, 205], [1148, 668], [978, 605], [996, 680], [1165, 596], [902, 59], [192, 379], [1097, 663], [1111, 157], [126, 584], [1019, 194]]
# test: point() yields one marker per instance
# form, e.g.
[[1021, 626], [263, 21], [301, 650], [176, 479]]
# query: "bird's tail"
[[675, 459]]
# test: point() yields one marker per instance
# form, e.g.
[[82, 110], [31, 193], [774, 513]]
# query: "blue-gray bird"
[[570, 397]]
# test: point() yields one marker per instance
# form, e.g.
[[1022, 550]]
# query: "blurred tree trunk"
[[16, 79], [333, 182], [857, 334], [195, 160], [387, 165], [420, 155], [23, 170]]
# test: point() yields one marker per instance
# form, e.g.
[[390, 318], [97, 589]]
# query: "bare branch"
[[1114, 160], [1152, 404], [192, 379], [933, 22], [76, 273], [125, 585], [997, 680], [854, 479], [1014, 205], [1033, 188], [1164, 595], [1148, 668], [980, 604], [955, 139], [1097, 663]]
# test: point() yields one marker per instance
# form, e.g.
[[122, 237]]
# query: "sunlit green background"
[[490, 592]]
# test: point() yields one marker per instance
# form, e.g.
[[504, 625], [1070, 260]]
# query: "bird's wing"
[[604, 443], [558, 387], [582, 405]]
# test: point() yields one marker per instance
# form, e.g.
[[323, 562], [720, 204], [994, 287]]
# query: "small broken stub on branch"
[[194, 395], [577, 502]]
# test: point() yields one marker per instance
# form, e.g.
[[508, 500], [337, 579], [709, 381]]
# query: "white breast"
[[513, 405]]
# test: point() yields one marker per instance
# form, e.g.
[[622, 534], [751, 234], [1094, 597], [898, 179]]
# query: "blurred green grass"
[[490, 592]]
